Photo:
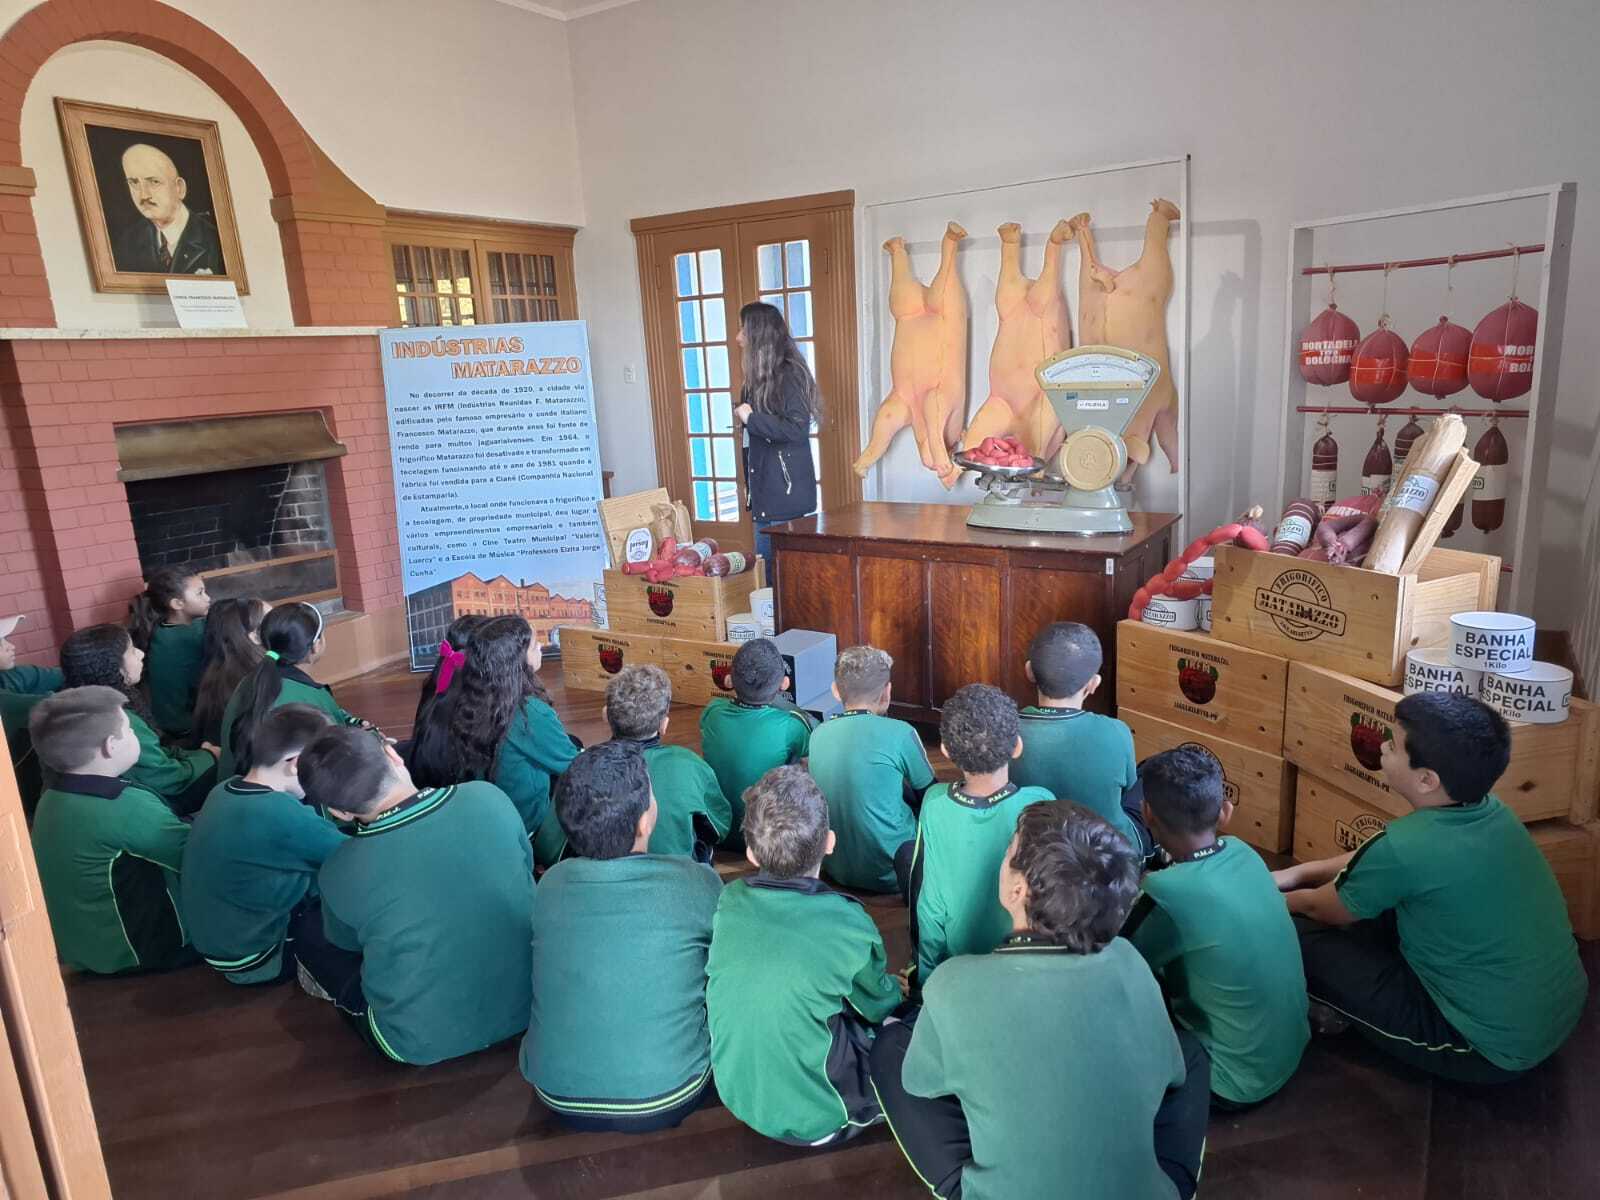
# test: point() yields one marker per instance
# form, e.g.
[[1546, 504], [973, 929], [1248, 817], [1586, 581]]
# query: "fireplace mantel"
[[17, 334]]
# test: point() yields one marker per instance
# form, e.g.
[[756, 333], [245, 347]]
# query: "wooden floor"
[[205, 1092]]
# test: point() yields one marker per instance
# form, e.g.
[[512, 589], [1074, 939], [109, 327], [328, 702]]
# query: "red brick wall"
[[66, 538]]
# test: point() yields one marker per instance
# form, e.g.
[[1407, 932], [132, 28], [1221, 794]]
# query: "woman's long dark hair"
[[228, 654], [493, 684], [427, 754], [154, 605], [770, 354], [288, 633], [93, 656]]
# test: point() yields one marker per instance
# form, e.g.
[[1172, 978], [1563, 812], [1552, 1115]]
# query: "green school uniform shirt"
[[109, 854], [1215, 931], [955, 871], [790, 960], [298, 688], [618, 1021], [168, 773], [253, 855], [34, 681], [742, 742], [690, 806], [868, 766], [1060, 1062], [1482, 922], [172, 673], [437, 895], [1080, 756], [15, 708], [536, 751]]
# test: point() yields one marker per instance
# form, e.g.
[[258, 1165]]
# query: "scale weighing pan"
[[1094, 390]]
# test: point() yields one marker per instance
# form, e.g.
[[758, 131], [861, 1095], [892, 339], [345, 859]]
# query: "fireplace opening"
[[208, 496]]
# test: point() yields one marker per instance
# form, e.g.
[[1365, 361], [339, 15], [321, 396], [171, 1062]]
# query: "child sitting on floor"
[[20, 689], [430, 727], [109, 851], [617, 1037], [796, 982], [105, 656], [964, 829], [1049, 1067], [1076, 755], [427, 908], [231, 650], [27, 681], [1225, 953], [168, 622], [873, 770], [692, 814], [502, 728], [250, 869], [1444, 937], [746, 737]]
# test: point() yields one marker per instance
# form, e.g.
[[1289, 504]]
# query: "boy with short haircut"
[[747, 736], [963, 831], [692, 813], [108, 851], [427, 908], [1444, 937], [874, 771], [617, 1035], [250, 869], [1225, 953], [1049, 1067], [796, 981], [1075, 755]]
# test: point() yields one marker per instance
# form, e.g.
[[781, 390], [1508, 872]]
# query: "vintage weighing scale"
[[1095, 390]]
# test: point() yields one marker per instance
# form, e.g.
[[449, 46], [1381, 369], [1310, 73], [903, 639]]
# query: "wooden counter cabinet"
[[956, 605]]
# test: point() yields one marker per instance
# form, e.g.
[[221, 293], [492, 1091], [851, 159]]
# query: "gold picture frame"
[[152, 196]]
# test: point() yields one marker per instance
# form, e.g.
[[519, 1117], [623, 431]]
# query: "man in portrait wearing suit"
[[172, 239]]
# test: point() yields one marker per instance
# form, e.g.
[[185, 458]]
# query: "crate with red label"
[[696, 607]]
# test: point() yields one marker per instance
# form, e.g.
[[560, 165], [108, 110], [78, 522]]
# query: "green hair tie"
[[273, 655]]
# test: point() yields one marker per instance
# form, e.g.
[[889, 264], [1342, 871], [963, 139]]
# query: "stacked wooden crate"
[[1294, 692]]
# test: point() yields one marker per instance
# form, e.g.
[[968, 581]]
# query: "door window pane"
[[717, 366], [700, 456], [773, 298], [710, 272], [704, 509], [727, 502], [797, 258], [433, 285], [800, 314], [809, 349], [716, 324], [688, 277], [724, 457], [769, 267], [697, 413], [694, 368], [689, 322], [722, 412]]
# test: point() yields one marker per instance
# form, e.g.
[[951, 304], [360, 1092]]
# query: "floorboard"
[[208, 1091]]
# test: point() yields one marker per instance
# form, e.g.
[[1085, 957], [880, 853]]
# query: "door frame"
[[838, 371]]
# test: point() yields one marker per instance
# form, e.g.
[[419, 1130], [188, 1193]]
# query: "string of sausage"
[[1170, 581]]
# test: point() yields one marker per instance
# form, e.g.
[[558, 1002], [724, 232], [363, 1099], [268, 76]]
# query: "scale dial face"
[[1091, 459], [1088, 367]]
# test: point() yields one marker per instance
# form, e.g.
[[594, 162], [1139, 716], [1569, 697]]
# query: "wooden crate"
[[700, 670], [590, 657], [1344, 618], [1260, 785], [696, 607], [1334, 726], [1203, 684], [1329, 822], [619, 514]]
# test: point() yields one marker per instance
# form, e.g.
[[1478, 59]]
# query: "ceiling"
[[566, 10]]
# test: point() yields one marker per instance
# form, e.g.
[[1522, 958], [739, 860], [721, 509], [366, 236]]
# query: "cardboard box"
[[1260, 785], [696, 607], [1335, 726], [808, 658], [1329, 822], [1347, 619], [590, 657], [1203, 684]]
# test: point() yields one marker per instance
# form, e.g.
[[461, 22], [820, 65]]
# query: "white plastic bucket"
[[1492, 641], [1430, 670], [1541, 695]]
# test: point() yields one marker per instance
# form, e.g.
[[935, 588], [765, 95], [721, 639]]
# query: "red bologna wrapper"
[[1378, 367], [1438, 362], [1326, 346], [1500, 363]]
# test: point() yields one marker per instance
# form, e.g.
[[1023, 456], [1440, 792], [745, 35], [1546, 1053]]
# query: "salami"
[[1377, 469], [1325, 466], [1326, 347], [1403, 441], [1437, 364], [1378, 368], [1489, 485], [1500, 362], [1293, 533]]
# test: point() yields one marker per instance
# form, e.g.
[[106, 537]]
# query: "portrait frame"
[[94, 136]]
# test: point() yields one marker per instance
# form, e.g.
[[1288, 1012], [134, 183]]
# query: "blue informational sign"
[[496, 476]]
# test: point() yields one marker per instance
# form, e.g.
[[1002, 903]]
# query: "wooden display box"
[[1260, 785], [1329, 822], [1335, 726], [1203, 684], [591, 657], [621, 514], [1345, 618], [700, 671], [696, 607]]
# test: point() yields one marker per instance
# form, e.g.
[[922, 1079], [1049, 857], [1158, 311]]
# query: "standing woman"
[[779, 407]]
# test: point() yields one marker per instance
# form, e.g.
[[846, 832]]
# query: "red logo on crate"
[[1197, 681], [660, 599], [610, 658], [722, 673], [1351, 835], [1366, 740]]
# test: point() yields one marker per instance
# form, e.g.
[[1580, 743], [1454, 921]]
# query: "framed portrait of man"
[[152, 196]]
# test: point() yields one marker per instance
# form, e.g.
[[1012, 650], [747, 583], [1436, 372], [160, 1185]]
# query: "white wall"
[[1291, 111]]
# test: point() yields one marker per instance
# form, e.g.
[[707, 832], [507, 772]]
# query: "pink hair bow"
[[450, 661]]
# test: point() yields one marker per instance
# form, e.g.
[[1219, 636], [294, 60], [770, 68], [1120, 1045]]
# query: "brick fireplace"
[[69, 544]]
